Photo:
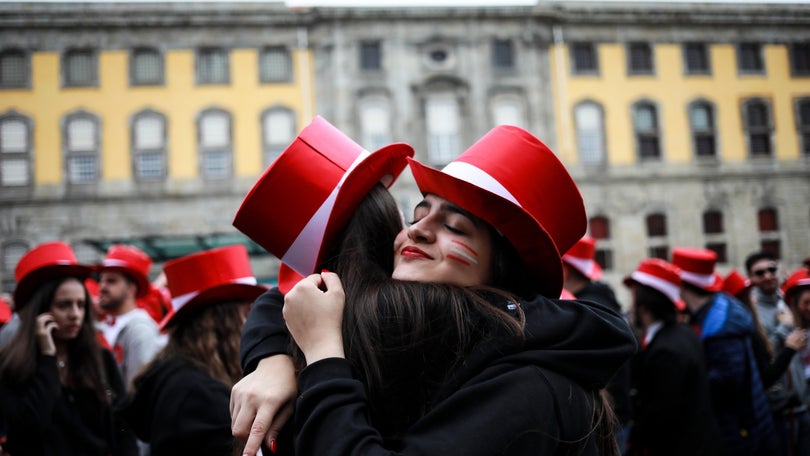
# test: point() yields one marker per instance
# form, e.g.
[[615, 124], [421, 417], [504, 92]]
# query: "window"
[[82, 148], [508, 111], [212, 66], [720, 249], [584, 59], [275, 65], [712, 222], [639, 58], [803, 121], [656, 232], [278, 131], [696, 58], [767, 220], [149, 146], [375, 123], [503, 55], [701, 121], [80, 68], [599, 228], [146, 67], [658, 251], [214, 135], [590, 130], [443, 128], [15, 151], [773, 246], [749, 58], [757, 121], [656, 225], [645, 123], [14, 69], [370, 56], [800, 59], [11, 252]]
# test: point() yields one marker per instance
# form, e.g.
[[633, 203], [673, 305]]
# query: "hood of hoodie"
[[726, 317], [583, 340]]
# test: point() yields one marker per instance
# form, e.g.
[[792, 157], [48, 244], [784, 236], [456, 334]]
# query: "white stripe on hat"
[[584, 266], [180, 301], [670, 290], [114, 262], [478, 177], [303, 252], [701, 280]]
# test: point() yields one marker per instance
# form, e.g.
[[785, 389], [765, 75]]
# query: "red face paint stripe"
[[459, 259]]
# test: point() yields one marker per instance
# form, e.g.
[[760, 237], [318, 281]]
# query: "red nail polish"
[[324, 270], [273, 446]]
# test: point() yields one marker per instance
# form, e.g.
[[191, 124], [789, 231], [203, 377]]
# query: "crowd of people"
[[479, 326]]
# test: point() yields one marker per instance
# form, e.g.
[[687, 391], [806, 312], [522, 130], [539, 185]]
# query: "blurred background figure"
[[181, 401], [672, 408], [58, 386]]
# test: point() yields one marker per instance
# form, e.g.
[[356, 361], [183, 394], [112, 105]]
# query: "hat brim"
[[714, 287], [524, 232], [142, 282], [382, 166], [594, 274], [28, 284], [629, 282], [232, 292]]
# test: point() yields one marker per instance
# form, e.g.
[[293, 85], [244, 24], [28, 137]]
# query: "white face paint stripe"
[[463, 253], [479, 178], [180, 301], [303, 252]]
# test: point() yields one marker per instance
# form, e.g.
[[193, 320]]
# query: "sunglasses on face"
[[762, 272]]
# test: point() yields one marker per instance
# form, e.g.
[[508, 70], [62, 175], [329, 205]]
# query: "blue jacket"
[[738, 398]]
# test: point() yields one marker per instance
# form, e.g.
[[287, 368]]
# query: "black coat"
[[179, 409], [673, 409], [46, 418]]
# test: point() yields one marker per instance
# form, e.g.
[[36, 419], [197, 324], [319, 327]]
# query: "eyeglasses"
[[762, 272]]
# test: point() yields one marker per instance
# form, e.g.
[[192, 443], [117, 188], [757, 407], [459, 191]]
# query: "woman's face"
[[444, 244], [68, 308]]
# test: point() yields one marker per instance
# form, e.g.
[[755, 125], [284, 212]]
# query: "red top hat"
[[735, 283], [799, 278], [660, 275], [581, 257], [42, 263], [131, 261], [697, 267], [306, 196], [209, 277], [514, 182]]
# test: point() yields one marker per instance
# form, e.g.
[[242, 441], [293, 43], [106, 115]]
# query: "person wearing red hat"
[[180, 401], [796, 431], [58, 386], [672, 406], [726, 330], [425, 364], [129, 329], [581, 274]]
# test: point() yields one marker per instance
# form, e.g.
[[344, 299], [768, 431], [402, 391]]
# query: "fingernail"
[[273, 446], [324, 270]]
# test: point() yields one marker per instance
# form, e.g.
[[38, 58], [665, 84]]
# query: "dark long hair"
[[209, 339], [19, 356]]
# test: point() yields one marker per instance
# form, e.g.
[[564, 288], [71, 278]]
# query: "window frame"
[[640, 136], [574, 50], [133, 57], [803, 130], [370, 63], [756, 52], [705, 53], [633, 70], [503, 55], [206, 52], [26, 155], [799, 53], [136, 153], [25, 68], [203, 150], [72, 53], [602, 159], [265, 52], [94, 153], [758, 129], [270, 151], [710, 132]]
